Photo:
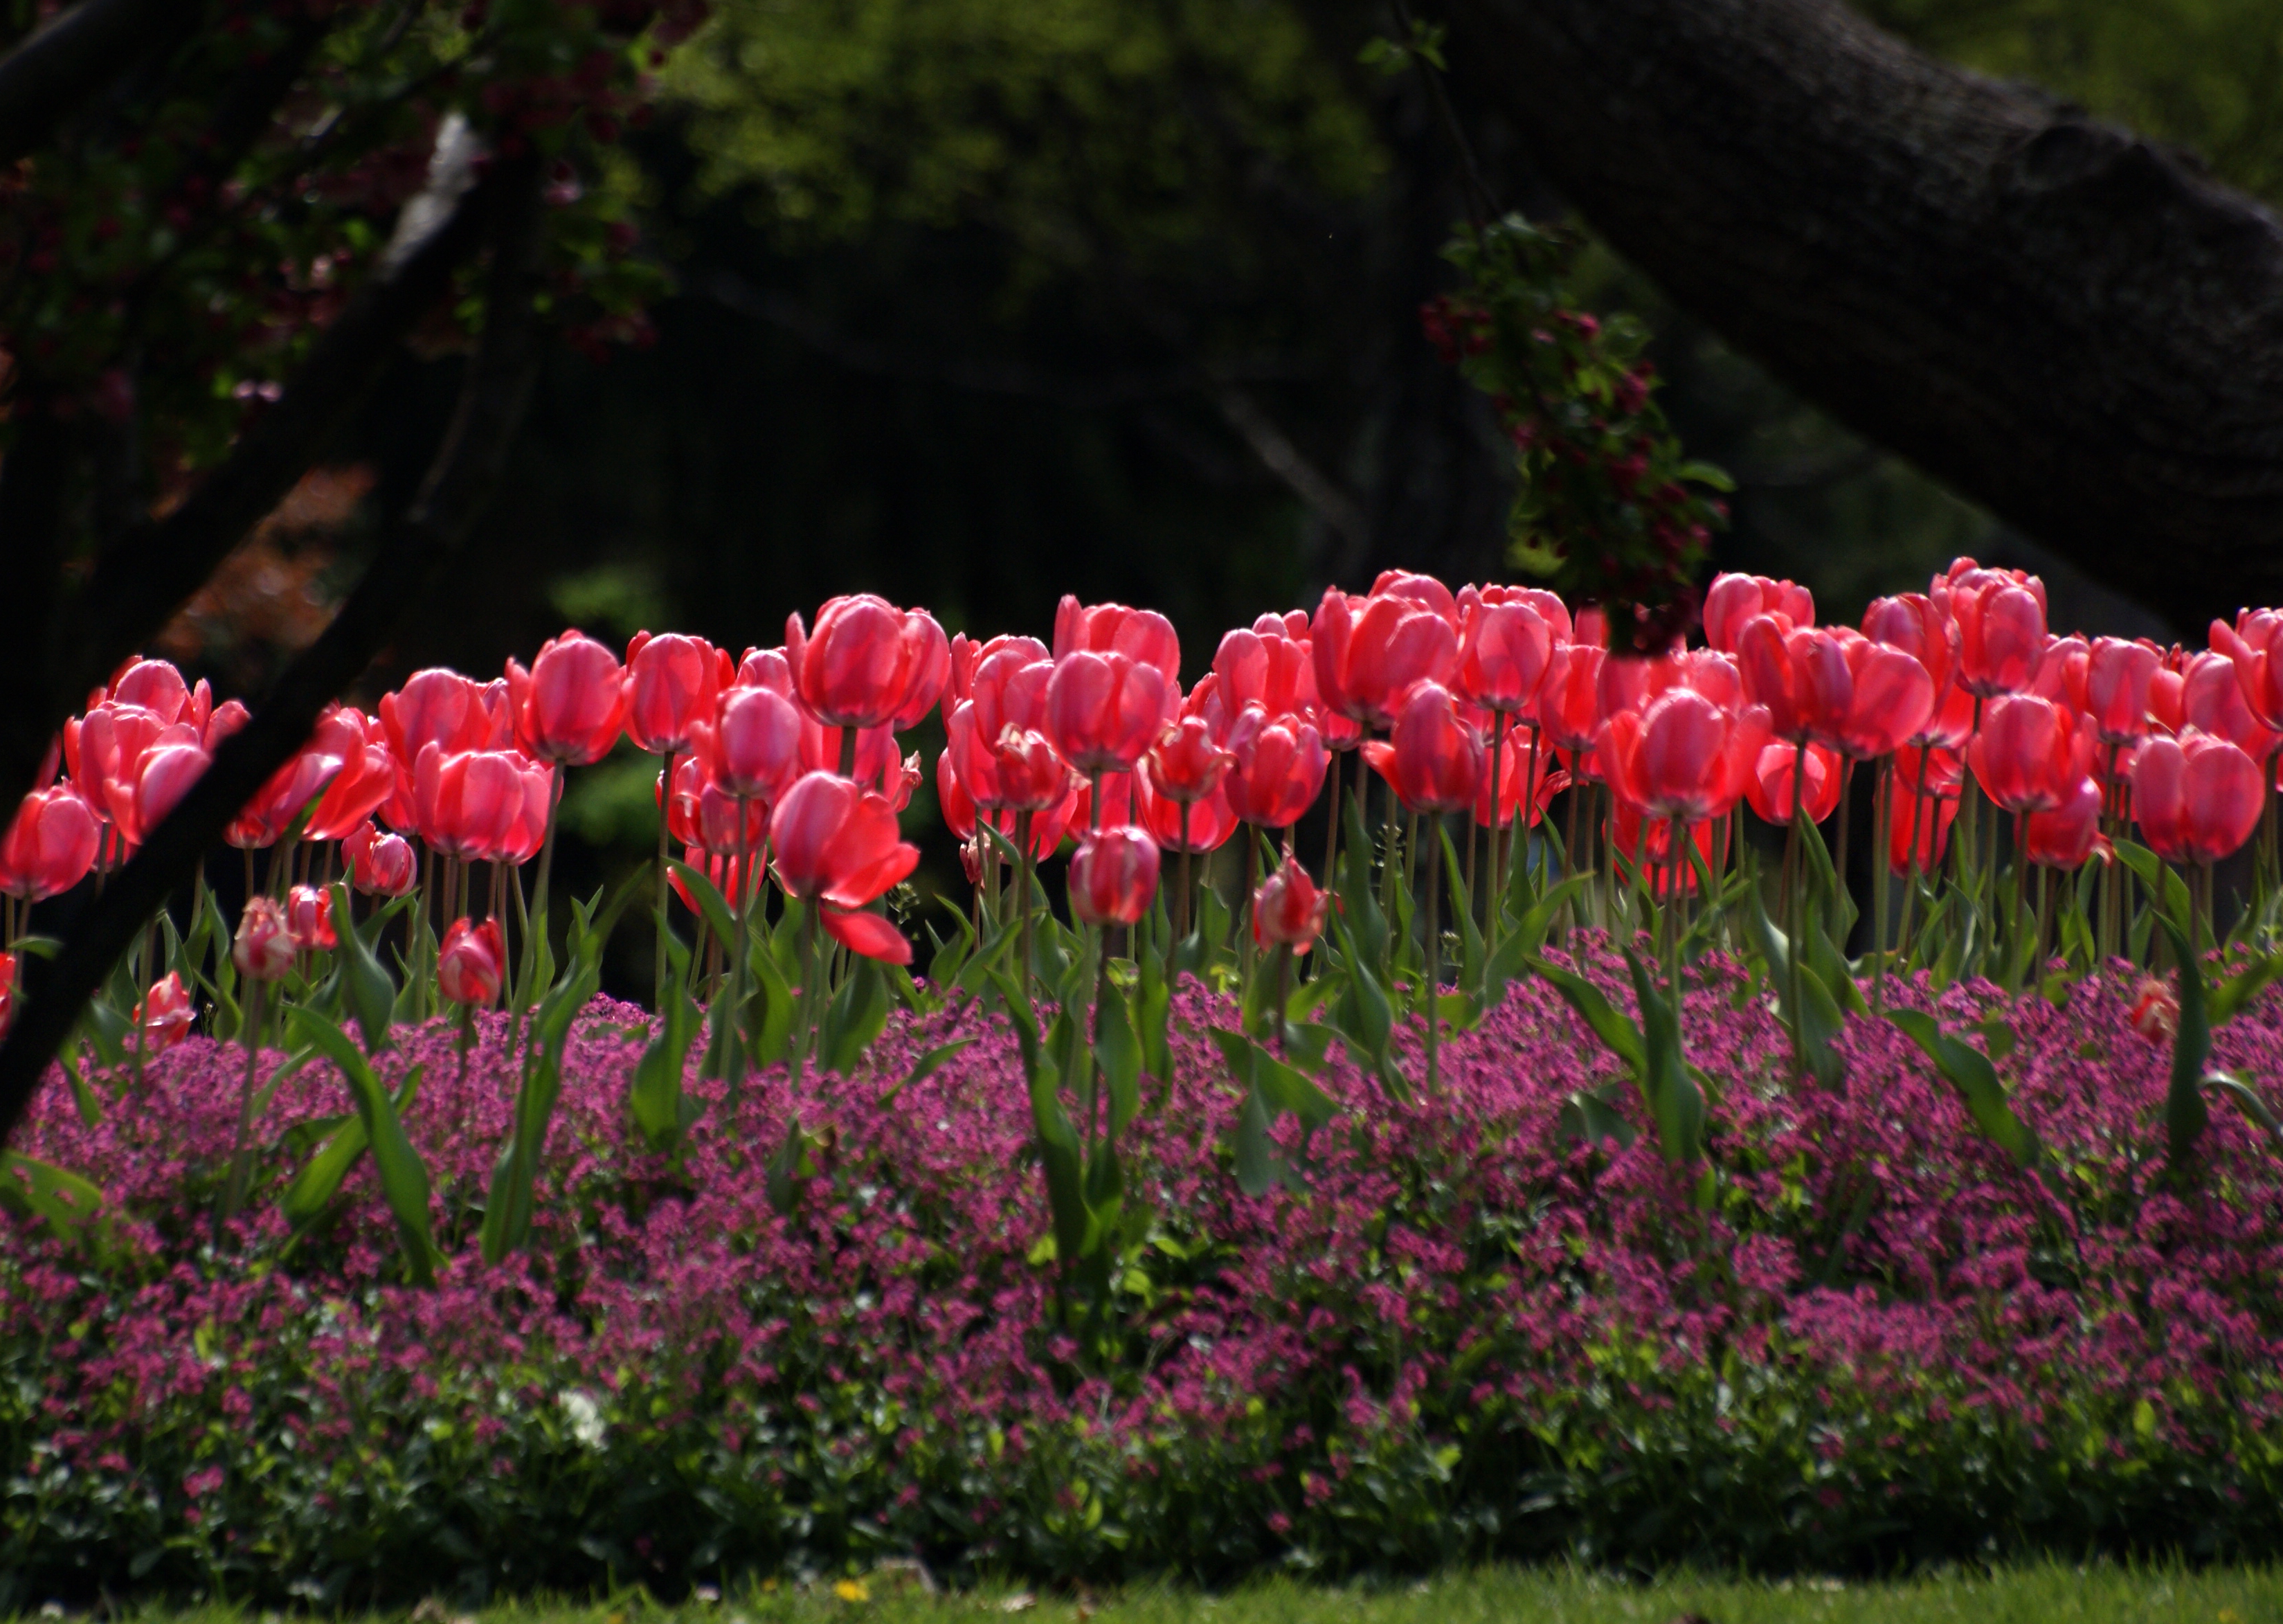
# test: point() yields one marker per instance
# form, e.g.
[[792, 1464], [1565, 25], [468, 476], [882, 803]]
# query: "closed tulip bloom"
[[1434, 762], [1140, 634], [2212, 701], [1913, 624], [1733, 600], [1276, 767], [2197, 798], [1272, 671], [2255, 645], [1032, 774], [165, 1014], [1890, 699], [1113, 876], [2168, 700], [2118, 675], [1185, 764], [380, 864], [471, 804], [309, 918], [435, 706], [467, 966], [2062, 672], [1682, 756], [263, 947], [167, 775], [1209, 825], [1569, 703], [7, 990], [2030, 753], [2001, 632], [571, 706], [1802, 676], [1330, 637], [1424, 590], [1770, 789], [1503, 651], [753, 748], [2069, 834], [868, 664], [671, 684], [1397, 644], [49, 847], [1103, 710], [837, 845], [366, 781], [1288, 910], [157, 687], [106, 752]]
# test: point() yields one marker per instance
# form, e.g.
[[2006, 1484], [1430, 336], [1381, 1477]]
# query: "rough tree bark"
[[2064, 321]]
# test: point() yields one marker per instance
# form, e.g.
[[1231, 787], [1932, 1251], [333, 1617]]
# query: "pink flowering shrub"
[[1467, 1336]]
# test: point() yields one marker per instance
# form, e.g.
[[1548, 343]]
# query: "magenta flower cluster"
[[1468, 1332]]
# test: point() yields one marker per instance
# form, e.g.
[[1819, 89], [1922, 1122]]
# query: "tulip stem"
[[1331, 822], [1025, 860], [1182, 897], [241, 1158], [2019, 960], [1843, 891], [664, 819], [1434, 957], [2044, 921], [1497, 784], [733, 1056], [1882, 814], [1796, 908]]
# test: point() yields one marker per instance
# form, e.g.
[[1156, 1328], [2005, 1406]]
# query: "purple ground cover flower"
[[1468, 1335]]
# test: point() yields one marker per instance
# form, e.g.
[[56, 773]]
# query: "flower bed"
[[1471, 1334]]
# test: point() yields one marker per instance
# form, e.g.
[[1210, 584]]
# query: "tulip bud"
[[1288, 910], [1113, 876], [264, 948], [165, 1014], [2156, 1011], [1185, 764], [309, 917], [572, 704], [380, 864], [468, 968]]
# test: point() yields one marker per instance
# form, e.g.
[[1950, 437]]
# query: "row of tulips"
[[782, 776]]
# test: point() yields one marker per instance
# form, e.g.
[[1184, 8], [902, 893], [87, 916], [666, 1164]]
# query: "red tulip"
[[106, 754], [752, 748], [1919, 829], [2061, 671], [1276, 767], [2030, 753], [571, 706], [1206, 828], [7, 990], [726, 870], [2197, 799], [1569, 703], [478, 803], [49, 847], [367, 779], [263, 947], [2255, 643], [156, 686], [1273, 671], [2001, 626], [1503, 651], [435, 707], [1185, 764], [166, 776], [469, 965], [2118, 677], [868, 664], [671, 682], [293, 787], [1113, 876], [1514, 784], [1103, 710], [1770, 788], [1683, 756], [1803, 676], [1647, 842], [1549, 606], [2069, 834], [1913, 624], [1890, 698], [1368, 651], [380, 864], [2155, 1012], [1434, 762], [1142, 635], [2212, 701], [1733, 600], [165, 1014], [1424, 590], [309, 918], [1288, 910], [837, 847]]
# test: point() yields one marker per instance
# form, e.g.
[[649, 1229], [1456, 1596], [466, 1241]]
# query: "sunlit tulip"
[[467, 966], [2001, 629], [1569, 702], [264, 948], [1913, 624], [1802, 676], [1733, 600], [49, 847], [2060, 672], [1514, 784], [1434, 761], [157, 686], [2255, 645], [1276, 767], [836, 844], [1103, 710], [435, 706], [1288, 910], [165, 1014], [309, 917], [2212, 701], [2030, 753], [2155, 1012], [671, 682], [1503, 651], [293, 788], [2196, 799], [1272, 671], [1425, 590], [1890, 697], [753, 746], [477, 803], [368, 777], [2118, 677], [1918, 831], [1113, 876], [380, 864], [571, 706], [1770, 788], [1185, 764], [1681, 756], [105, 755], [167, 775], [1195, 826], [868, 664], [2069, 834], [1141, 635], [1397, 643]]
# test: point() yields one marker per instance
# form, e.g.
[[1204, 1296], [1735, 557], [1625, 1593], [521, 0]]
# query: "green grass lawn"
[[2023, 1595]]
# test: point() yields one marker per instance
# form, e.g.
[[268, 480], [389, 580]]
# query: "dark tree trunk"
[[2066, 322]]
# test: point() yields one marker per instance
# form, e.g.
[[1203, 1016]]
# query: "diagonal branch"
[[411, 554]]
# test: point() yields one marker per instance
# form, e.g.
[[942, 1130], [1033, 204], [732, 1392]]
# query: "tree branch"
[[51, 74], [2062, 320], [410, 556]]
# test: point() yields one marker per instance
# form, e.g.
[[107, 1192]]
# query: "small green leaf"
[[2185, 1115], [1968, 1071], [403, 1175], [927, 1066], [1616, 1030]]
